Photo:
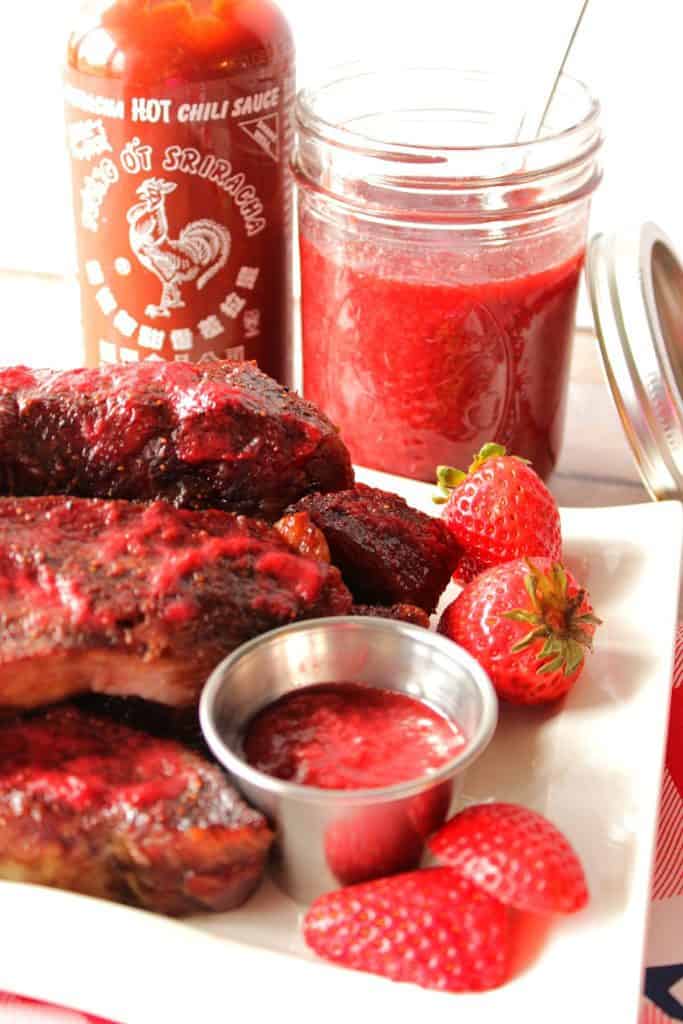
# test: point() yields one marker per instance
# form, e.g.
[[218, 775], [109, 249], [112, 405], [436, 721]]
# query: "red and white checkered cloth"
[[664, 957], [663, 1000]]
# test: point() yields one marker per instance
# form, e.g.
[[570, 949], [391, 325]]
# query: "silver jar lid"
[[636, 287]]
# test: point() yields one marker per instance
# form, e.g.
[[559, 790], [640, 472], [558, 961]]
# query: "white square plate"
[[592, 765]]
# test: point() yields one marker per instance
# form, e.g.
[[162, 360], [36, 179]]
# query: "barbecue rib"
[[388, 552], [140, 600], [200, 435], [92, 806]]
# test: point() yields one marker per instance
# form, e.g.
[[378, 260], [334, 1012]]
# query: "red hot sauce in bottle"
[[179, 132]]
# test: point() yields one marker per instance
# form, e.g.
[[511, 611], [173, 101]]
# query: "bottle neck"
[[147, 42]]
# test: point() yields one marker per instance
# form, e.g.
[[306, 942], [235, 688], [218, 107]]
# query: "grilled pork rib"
[[200, 435], [127, 599], [388, 552], [101, 809]]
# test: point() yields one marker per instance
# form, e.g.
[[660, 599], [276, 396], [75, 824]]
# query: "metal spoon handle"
[[531, 115]]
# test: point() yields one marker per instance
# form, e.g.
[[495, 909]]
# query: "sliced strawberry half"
[[429, 927], [514, 854]]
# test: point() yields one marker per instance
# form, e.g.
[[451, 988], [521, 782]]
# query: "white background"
[[630, 53]]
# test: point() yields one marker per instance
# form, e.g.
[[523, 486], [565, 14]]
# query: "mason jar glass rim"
[[311, 115], [437, 128]]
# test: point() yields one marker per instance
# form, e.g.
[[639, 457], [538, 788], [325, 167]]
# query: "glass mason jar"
[[441, 259], [179, 130]]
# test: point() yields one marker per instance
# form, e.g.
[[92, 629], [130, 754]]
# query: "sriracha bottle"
[[179, 132]]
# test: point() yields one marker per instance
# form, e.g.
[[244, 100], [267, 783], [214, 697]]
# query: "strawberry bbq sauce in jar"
[[440, 262], [179, 131]]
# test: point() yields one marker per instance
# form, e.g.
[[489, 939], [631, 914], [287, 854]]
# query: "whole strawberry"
[[430, 927], [516, 855], [498, 511], [528, 624]]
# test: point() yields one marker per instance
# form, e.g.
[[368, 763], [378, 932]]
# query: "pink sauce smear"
[[350, 736]]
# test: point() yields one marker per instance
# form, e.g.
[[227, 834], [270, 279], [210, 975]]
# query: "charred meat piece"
[[200, 435], [388, 552], [301, 533], [95, 807], [400, 612], [128, 599]]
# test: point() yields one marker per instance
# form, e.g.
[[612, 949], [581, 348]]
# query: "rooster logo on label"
[[198, 254]]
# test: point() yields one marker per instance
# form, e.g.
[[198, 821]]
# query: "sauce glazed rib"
[[134, 600], [93, 806], [200, 435]]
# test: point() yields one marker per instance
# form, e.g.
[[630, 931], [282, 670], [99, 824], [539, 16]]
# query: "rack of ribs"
[[388, 552], [96, 807], [200, 435], [140, 600]]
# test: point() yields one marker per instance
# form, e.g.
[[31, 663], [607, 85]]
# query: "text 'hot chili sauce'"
[[179, 131]]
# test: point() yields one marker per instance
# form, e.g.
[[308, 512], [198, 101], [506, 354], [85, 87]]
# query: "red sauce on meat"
[[96, 568], [83, 773], [218, 434]]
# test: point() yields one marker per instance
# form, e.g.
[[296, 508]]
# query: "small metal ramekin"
[[329, 836]]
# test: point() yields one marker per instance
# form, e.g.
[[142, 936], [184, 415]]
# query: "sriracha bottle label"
[[182, 203]]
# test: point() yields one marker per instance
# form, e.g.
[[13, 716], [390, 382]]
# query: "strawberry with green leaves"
[[498, 511], [529, 624]]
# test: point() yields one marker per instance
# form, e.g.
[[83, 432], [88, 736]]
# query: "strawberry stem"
[[448, 478], [488, 451], [555, 620]]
